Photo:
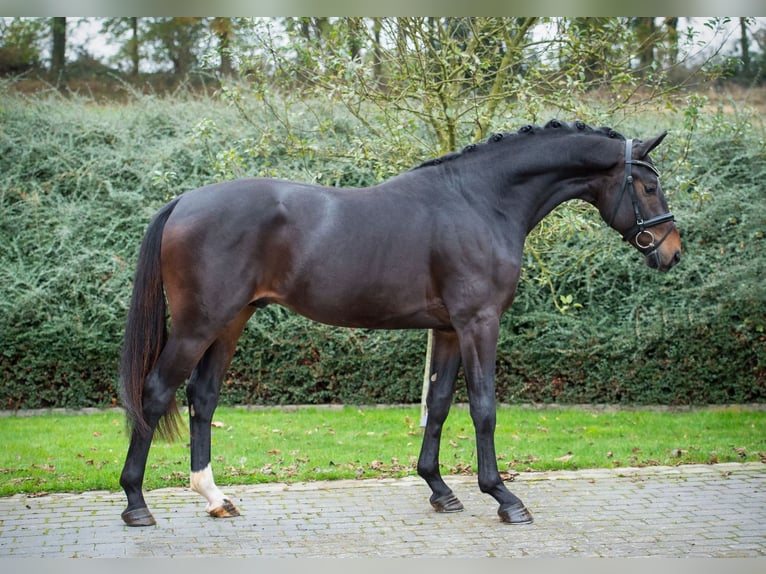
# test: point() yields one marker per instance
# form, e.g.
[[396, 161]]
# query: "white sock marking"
[[203, 483]]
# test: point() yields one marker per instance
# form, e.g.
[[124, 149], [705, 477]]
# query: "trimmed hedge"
[[79, 182]]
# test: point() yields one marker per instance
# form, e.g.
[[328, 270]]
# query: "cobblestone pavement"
[[687, 511]]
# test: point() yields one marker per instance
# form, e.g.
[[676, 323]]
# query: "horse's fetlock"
[[489, 486], [425, 470]]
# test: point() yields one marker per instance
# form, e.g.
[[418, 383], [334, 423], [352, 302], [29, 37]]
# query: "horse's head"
[[638, 210]]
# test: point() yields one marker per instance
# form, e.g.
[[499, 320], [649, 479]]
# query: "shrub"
[[79, 183]]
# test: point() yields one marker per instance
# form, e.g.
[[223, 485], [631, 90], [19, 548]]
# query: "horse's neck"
[[523, 183], [550, 178]]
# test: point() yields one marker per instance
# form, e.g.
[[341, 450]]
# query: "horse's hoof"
[[138, 517], [226, 510], [446, 503], [515, 514]]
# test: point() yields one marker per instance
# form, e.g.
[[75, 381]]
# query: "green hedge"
[[79, 182]]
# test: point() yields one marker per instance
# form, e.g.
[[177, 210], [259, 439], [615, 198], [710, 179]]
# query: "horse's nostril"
[[676, 257]]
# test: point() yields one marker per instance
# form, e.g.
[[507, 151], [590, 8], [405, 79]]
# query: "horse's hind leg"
[[202, 392], [444, 366], [173, 366]]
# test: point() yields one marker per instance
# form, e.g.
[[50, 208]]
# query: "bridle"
[[639, 233]]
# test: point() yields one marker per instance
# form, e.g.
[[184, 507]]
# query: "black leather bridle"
[[639, 233]]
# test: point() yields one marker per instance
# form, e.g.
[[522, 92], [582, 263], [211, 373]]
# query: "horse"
[[438, 247]]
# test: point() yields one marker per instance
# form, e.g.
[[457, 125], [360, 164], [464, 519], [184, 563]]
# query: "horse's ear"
[[649, 145]]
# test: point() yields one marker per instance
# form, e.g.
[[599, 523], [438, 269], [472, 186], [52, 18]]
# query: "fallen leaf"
[[217, 424], [508, 476], [564, 458], [461, 468]]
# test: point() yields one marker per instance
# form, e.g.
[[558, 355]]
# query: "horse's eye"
[[650, 188]]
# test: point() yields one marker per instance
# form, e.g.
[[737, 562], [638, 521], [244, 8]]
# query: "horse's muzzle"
[[654, 260]]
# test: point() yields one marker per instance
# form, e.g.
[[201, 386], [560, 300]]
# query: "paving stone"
[[686, 511]]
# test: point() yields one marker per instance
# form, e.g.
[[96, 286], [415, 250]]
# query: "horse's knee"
[[483, 413], [484, 421]]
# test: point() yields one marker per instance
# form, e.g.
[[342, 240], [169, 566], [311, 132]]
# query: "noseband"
[[643, 238]]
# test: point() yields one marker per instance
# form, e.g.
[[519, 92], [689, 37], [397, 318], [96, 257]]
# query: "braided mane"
[[553, 126]]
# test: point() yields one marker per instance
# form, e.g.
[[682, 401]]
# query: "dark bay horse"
[[438, 247]]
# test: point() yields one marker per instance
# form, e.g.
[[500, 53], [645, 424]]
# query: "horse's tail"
[[146, 331]]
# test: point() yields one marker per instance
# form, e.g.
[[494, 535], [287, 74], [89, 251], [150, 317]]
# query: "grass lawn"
[[54, 453]]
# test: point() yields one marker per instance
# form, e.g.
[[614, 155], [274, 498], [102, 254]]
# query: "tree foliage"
[[19, 44], [579, 45], [462, 77]]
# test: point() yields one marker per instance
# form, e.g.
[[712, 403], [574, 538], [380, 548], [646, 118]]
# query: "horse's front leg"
[[445, 361], [478, 347]]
